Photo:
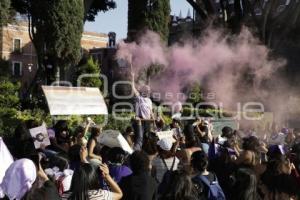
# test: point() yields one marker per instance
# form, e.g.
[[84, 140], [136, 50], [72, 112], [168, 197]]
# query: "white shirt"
[[143, 107], [93, 195]]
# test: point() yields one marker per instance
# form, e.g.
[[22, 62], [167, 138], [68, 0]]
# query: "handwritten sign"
[[74, 100], [113, 138], [166, 134], [40, 136]]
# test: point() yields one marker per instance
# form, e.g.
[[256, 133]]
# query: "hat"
[[165, 144]]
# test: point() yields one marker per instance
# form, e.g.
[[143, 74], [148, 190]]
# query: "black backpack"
[[163, 186]]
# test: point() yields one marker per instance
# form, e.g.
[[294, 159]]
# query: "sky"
[[116, 19]]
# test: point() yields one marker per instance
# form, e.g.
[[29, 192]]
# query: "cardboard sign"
[[6, 160], [113, 138], [166, 134], [40, 136], [74, 100], [219, 124]]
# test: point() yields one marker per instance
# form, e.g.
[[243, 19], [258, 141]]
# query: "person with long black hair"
[[140, 185], [245, 185], [86, 184], [180, 187]]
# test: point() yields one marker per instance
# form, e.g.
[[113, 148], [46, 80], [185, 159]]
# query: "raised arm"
[[138, 142], [136, 93], [116, 190], [87, 127]]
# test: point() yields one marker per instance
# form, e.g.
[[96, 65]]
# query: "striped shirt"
[[93, 195]]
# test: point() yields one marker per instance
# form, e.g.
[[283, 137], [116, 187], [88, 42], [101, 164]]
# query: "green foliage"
[[195, 94], [6, 12], [118, 121], [107, 122], [9, 94], [8, 121], [65, 26], [90, 67], [9, 104], [153, 15], [136, 17], [36, 114], [92, 7], [158, 17]]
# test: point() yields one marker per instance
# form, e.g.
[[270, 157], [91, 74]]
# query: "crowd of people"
[[192, 164]]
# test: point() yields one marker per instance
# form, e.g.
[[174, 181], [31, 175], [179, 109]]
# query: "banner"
[[40, 136], [113, 138], [74, 100]]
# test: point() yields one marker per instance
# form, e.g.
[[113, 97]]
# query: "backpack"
[[215, 191], [166, 178]]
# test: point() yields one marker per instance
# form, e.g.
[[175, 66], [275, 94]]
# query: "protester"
[[191, 145], [180, 187], [94, 147], [143, 106], [194, 164], [21, 181], [61, 141], [276, 137], [203, 130], [139, 185], [206, 182], [116, 160], [166, 160], [250, 155], [128, 135], [150, 147], [79, 136], [245, 185], [86, 184], [278, 172]]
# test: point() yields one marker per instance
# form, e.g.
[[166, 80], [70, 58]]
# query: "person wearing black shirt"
[[140, 185]]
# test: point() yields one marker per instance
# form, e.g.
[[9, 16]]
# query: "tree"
[[40, 30], [158, 17], [92, 7], [148, 14], [6, 12], [271, 20], [90, 68], [194, 94], [9, 99], [65, 26], [136, 17]]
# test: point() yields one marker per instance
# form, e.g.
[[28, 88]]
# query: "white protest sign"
[[6, 160], [40, 136], [74, 100], [166, 134], [113, 138]]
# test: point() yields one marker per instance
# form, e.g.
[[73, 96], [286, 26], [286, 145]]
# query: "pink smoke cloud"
[[220, 62]]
